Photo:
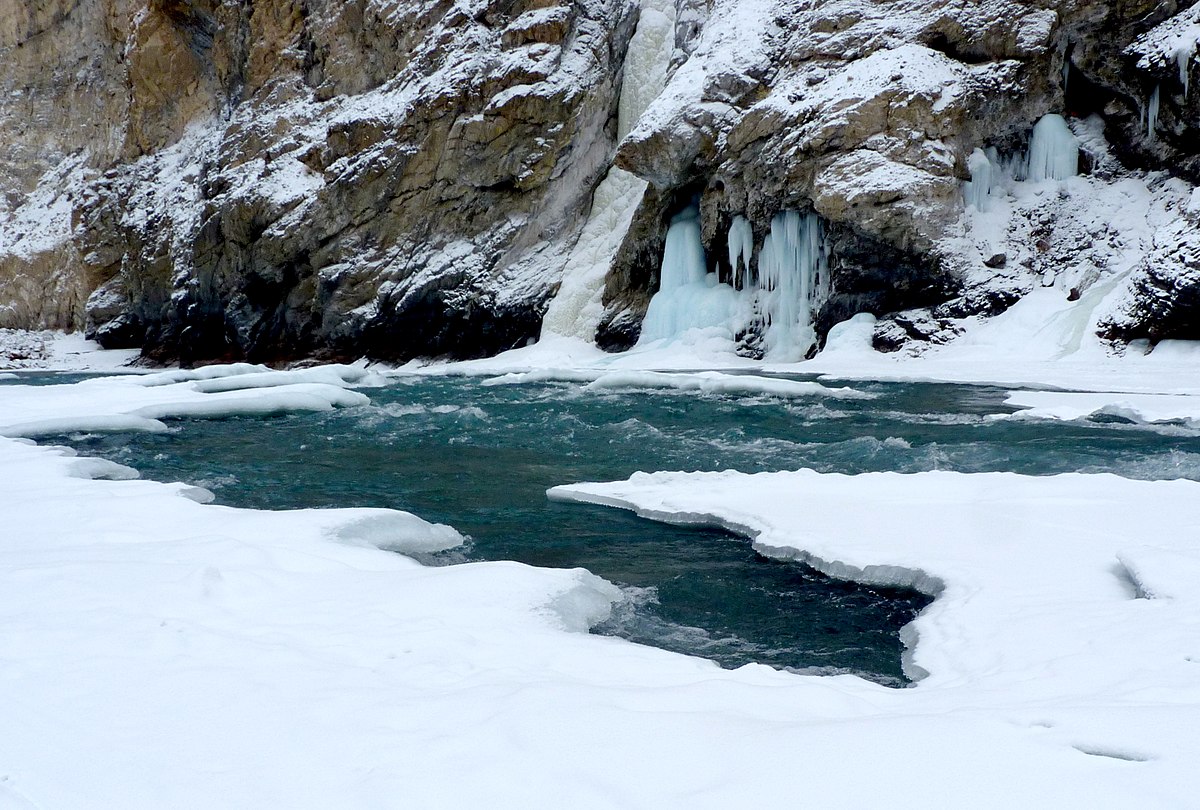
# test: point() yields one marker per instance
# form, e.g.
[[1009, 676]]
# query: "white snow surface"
[[706, 382], [158, 652], [140, 402], [1043, 632], [59, 351], [1139, 408]]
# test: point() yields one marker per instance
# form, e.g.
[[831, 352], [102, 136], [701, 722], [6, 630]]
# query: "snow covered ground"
[[56, 351], [158, 652]]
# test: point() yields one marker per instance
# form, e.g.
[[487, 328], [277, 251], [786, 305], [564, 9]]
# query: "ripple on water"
[[480, 458]]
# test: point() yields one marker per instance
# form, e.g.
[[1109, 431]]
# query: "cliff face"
[[288, 178], [275, 179]]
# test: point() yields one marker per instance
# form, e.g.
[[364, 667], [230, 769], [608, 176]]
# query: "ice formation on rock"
[[741, 246], [1152, 114], [794, 278], [792, 282], [1053, 154], [1053, 150], [688, 296], [577, 308], [979, 187]]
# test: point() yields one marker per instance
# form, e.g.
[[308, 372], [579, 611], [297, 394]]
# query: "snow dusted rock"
[[395, 178], [380, 176], [1164, 291], [870, 119]]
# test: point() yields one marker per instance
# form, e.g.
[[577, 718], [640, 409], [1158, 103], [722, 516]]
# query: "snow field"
[[159, 652], [1042, 617]]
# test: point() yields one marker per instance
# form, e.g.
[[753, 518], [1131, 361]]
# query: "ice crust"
[[706, 382], [141, 402]]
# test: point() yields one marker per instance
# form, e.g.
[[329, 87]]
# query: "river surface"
[[480, 458]]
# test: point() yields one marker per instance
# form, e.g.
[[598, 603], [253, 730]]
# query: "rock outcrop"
[[344, 178], [270, 179]]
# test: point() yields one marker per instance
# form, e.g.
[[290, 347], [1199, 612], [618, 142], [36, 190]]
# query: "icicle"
[[741, 246], [792, 272], [1152, 115], [1053, 150], [979, 187], [688, 296], [1183, 57]]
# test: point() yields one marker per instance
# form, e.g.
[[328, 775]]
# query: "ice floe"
[[1035, 622], [706, 382], [1138, 408], [141, 402]]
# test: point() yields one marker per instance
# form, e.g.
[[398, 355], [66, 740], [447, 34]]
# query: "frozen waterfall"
[[577, 308], [793, 276], [1053, 154], [741, 247], [1053, 150], [792, 283], [688, 297], [1152, 114], [979, 187]]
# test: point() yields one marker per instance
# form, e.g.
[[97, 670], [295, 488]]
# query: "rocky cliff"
[[272, 179]]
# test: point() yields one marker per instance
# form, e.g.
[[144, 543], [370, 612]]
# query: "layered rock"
[[276, 178], [869, 118], [361, 177]]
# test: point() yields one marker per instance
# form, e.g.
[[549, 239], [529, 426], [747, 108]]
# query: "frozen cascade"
[[793, 280], [1053, 150], [576, 310], [741, 245], [979, 187], [1152, 114], [1053, 155], [646, 63], [688, 296]]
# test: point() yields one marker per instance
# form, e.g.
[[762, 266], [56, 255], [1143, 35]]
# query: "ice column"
[[793, 279], [741, 246], [1053, 150], [1152, 114], [979, 187], [688, 296], [577, 308]]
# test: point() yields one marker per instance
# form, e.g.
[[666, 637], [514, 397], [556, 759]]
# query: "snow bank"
[[141, 402], [713, 382], [58, 351], [706, 382], [1035, 624], [162, 653], [1140, 408]]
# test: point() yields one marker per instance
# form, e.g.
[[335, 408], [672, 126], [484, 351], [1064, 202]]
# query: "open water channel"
[[480, 458]]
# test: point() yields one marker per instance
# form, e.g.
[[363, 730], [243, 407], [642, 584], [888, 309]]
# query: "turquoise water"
[[481, 457]]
